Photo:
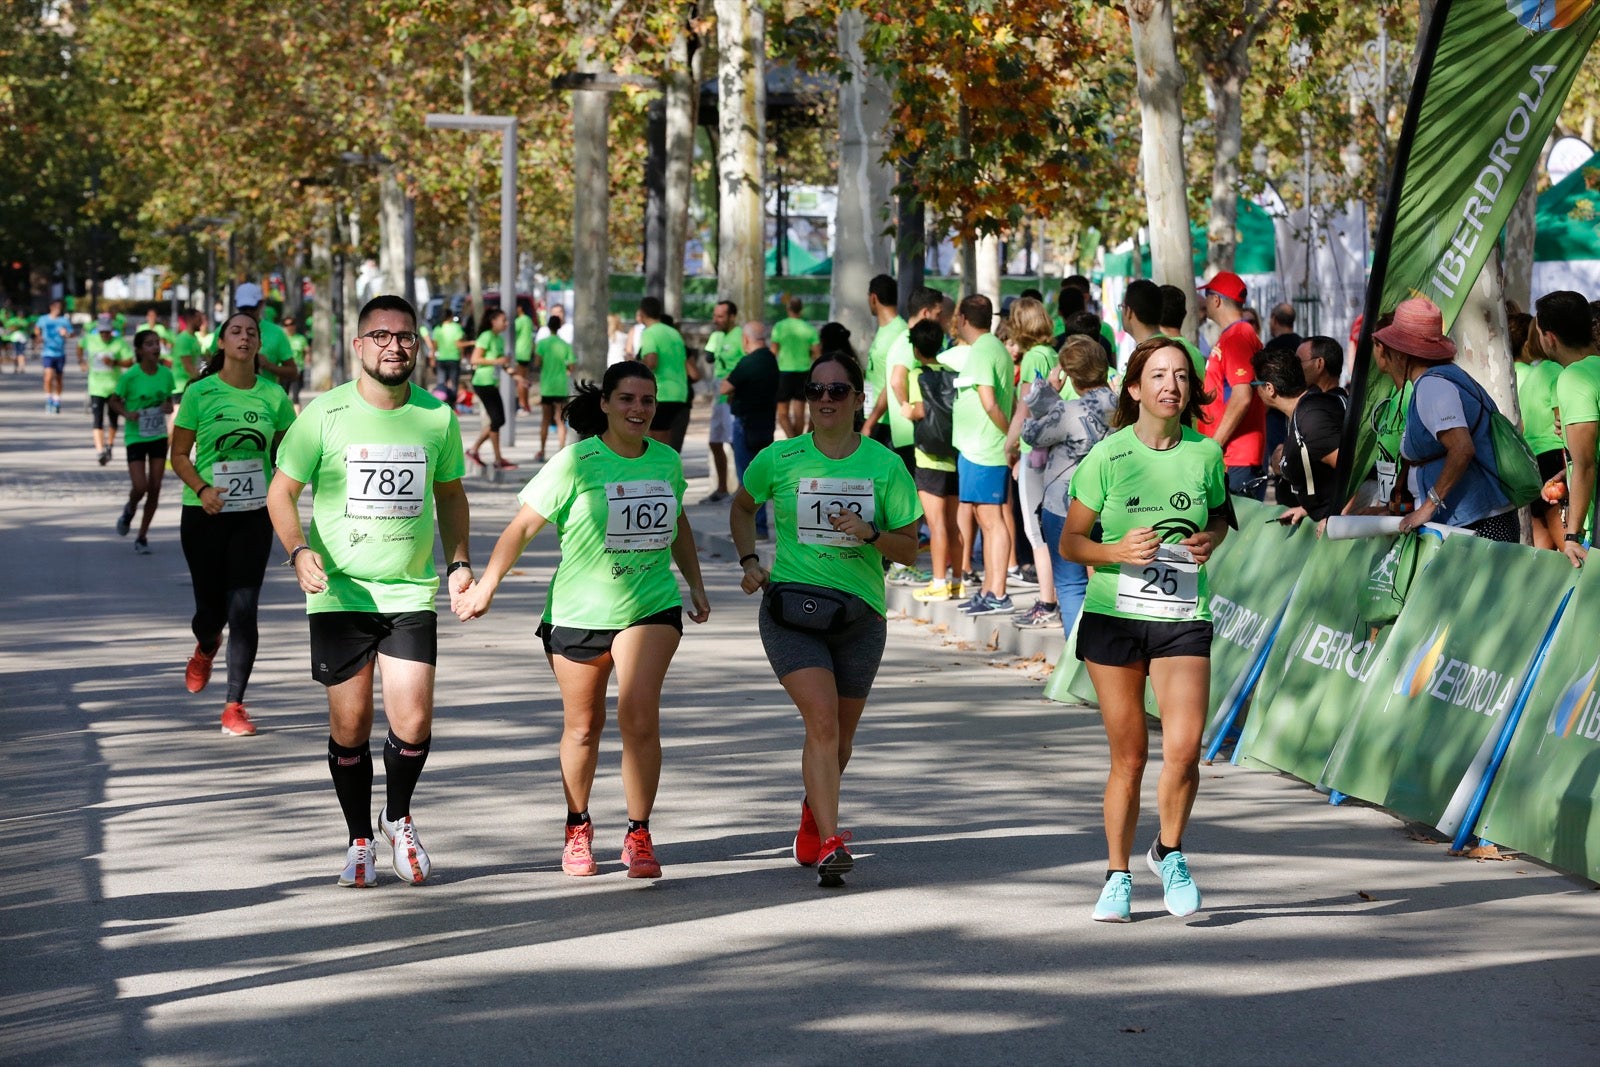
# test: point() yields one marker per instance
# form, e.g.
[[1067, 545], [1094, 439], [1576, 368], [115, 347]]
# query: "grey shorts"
[[852, 654], [721, 424]]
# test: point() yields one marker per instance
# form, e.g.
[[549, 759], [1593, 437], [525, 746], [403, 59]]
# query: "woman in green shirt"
[[616, 498], [843, 504], [488, 357], [143, 398], [1158, 489]]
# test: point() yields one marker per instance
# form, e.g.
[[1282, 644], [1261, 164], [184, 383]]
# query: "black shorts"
[[1551, 463], [551, 398], [937, 482], [100, 407], [668, 413], [140, 451], [1112, 641], [344, 642], [494, 407], [792, 384], [582, 646]]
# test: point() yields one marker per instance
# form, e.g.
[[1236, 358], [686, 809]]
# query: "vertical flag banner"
[[1491, 78]]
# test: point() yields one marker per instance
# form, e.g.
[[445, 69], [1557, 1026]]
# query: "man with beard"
[[377, 452]]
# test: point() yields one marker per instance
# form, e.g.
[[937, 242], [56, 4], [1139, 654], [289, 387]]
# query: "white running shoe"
[[410, 858], [360, 866]]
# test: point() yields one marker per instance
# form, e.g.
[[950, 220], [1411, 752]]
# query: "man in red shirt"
[[1236, 419]]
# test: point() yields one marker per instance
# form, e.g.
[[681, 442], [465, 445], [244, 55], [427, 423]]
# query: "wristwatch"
[[876, 533], [1574, 538]]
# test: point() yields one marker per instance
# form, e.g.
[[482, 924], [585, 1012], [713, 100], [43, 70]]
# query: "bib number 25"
[[1167, 587]]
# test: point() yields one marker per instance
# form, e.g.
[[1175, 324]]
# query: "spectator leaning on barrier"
[[1536, 399], [1562, 329], [1446, 445], [1315, 422], [1235, 418]]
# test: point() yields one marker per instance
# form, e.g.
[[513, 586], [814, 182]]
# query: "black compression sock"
[[1050, 605], [351, 769], [1162, 851], [402, 766], [1115, 870], [577, 818], [638, 824]]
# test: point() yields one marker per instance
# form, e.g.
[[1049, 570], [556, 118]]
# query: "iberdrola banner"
[[1491, 78]]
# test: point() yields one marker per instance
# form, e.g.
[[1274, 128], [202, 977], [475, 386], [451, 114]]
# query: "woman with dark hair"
[[488, 357], [616, 498], [231, 419], [843, 503], [1159, 490], [143, 397], [1536, 400]]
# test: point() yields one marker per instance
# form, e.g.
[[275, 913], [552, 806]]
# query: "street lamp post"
[[507, 127]]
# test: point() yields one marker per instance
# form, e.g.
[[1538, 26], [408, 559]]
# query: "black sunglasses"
[[832, 390]]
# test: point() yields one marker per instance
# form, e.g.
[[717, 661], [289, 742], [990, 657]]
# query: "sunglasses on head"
[[831, 390]]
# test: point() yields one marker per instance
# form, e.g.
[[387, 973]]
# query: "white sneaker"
[[410, 858], [360, 868]]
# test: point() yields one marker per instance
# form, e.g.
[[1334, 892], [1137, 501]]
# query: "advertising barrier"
[[1421, 737], [1545, 799]]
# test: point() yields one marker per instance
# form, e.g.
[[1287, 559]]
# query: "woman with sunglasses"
[[843, 504], [616, 498], [1159, 490]]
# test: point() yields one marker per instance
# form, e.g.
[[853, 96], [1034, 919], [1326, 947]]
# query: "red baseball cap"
[[1226, 283]]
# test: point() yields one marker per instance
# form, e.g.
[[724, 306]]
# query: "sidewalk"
[[169, 895]]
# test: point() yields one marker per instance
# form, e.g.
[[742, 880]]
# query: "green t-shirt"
[[792, 339], [372, 474], [1578, 398], [185, 344], [445, 336], [141, 392], [522, 338], [1174, 491], [1039, 361], [555, 356], [666, 344], [103, 357], [1388, 427], [878, 356], [726, 351], [914, 394], [298, 343], [1536, 397], [804, 485], [976, 436], [234, 427], [275, 346], [617, 518], [489, 346], [900, 354]]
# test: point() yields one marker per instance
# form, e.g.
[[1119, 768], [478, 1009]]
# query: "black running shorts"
[[344, 642], [1113, 641], [581, 646]]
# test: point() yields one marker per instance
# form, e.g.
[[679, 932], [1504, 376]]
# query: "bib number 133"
[[818, 498], [1167, 587]]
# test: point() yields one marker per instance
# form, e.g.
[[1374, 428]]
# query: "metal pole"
[[411, 249], [508, 259]]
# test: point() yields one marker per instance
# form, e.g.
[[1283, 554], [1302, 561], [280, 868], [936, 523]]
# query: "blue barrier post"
[[1503, 742], [1335, 797], [1256, 667]]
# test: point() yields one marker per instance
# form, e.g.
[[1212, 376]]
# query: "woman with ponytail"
[[616, 498]]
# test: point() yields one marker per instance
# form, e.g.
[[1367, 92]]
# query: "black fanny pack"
[[814, 608]]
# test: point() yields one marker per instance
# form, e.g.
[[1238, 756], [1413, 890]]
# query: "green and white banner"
[[1449, 673], [1545, 800]]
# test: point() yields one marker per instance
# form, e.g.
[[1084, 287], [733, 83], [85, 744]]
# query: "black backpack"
[[932, 433]]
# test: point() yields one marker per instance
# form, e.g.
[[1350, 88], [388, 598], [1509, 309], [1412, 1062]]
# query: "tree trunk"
[[655, 200], [741, 134], [683, 108], [1480, 335], [293, 302], [321, 308], [352, 298], [1165, 183], [591, 221], [911, 224], [391, 230], [986, 251], [1227, 118], [474, 310], [860, 248]]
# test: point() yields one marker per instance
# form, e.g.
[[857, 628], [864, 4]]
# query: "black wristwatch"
[[456, 566], [876, 533], [1574, 538]]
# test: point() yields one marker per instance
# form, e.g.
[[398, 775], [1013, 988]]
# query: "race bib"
[[243, 483], [641, 516], [385, 481], [818, 498], [1387, 472], [1168, 587], [152, 422]]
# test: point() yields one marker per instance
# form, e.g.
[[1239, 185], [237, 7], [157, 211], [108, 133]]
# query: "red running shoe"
[[504, 465], [807, 842], [577, 857], [836, 861], [198, 672], [640, 855], [236, 721]]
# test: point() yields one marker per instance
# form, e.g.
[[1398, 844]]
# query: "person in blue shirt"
[[52, 330]]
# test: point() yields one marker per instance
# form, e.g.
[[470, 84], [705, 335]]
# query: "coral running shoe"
[[360, 867], [640, 855], [577, 856], [836, 861], [236, 720], [198, 672], [807, 842], [410, 858]]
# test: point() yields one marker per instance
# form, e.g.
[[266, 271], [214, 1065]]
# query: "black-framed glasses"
[[382, 338], [831, 390]]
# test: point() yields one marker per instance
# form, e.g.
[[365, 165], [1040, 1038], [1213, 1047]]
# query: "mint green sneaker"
[[1116, 900], [1177, 888]]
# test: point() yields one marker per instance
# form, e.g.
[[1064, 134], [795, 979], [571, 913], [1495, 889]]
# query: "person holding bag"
[[843, 503]]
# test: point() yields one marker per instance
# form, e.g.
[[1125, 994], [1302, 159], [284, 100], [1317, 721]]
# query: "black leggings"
[[493, 405], [227, 557]]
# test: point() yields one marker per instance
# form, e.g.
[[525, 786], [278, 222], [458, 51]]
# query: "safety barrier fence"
[[1451, 680]]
